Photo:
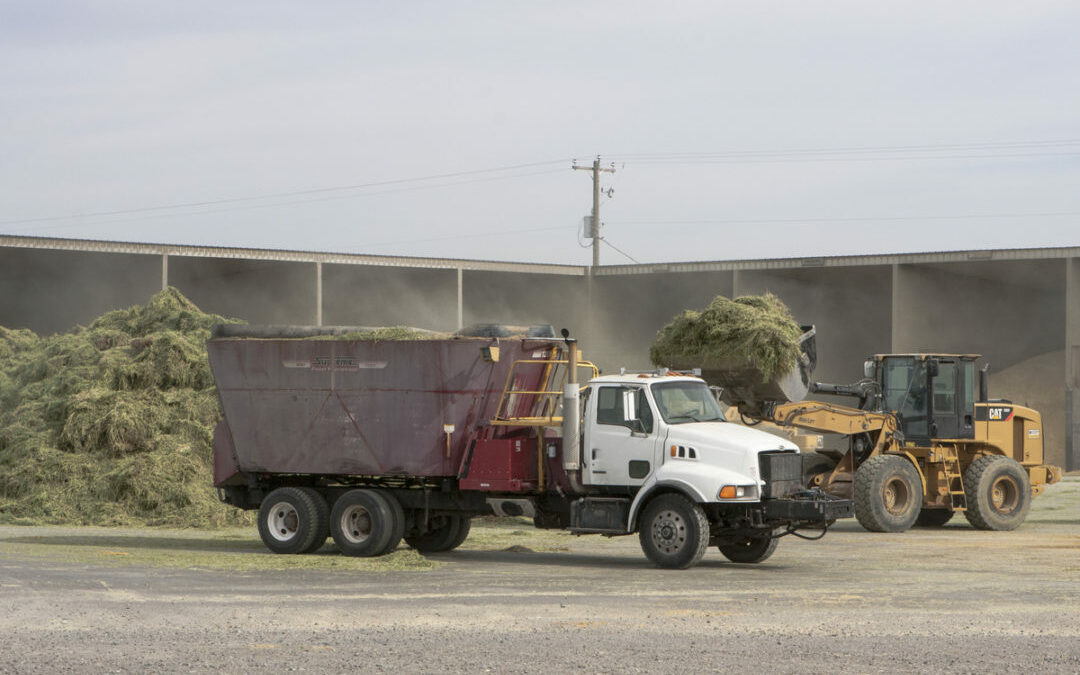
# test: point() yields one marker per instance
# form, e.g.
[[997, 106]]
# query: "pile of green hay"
[[112, 424], [754, 330]]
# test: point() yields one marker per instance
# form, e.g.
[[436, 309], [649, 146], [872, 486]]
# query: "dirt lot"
[[516, 600]]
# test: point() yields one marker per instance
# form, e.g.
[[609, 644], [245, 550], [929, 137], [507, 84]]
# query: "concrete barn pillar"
[[1072, 364], [460, 299], [318, 294], [164, 271]]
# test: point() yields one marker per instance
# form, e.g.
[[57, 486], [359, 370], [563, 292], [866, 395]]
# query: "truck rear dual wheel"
[[445, 534], [293, 520], [888, 494], [674, 532], [366, 523], [998, 493], [750, 549]]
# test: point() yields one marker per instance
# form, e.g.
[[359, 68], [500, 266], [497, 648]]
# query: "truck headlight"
[[738, 492]]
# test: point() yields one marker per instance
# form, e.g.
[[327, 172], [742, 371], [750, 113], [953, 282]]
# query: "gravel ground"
[[951, 599]]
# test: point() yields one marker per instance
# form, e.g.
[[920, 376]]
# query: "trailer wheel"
[[362, 523], [933, 517], [444, 534], [749, 549], [398, 528], [888, 494], [289, 520], [998, 493], [321, 524], [674, 531]]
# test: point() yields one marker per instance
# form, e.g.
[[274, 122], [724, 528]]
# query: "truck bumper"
[[810, 506]]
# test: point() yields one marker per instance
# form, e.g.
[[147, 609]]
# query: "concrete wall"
[[1022, 315], [52, 291], [259, 291], [356, 295]]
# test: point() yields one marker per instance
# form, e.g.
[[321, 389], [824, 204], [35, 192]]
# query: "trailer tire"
[[362, 523], [398, 528], [463, 533], [750, 549], [998, 493], [934, 517], [444, 536], [321, 525], [673, 531], [888, 494], [289, 520]]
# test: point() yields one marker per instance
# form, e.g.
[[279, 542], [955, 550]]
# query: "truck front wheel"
[[749, 549], [362, 523], [674, 532], [888, 494], [290, 520]]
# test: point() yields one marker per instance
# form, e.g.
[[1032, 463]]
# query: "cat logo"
[[999, 414]]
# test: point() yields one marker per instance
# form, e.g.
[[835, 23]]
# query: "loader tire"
[[998, 493], [289, 520], [814, 463], [362, 523], [674, 532], [321, 524], [933, 517], [750, 549], [443, 535], [888, 494]]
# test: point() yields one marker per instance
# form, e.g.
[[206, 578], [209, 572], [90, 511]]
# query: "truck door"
[[620, 439]]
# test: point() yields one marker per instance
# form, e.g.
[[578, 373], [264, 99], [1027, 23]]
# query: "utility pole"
[[594, 230]]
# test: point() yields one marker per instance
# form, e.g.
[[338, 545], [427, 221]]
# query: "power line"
[[276, 195], [847, 219]]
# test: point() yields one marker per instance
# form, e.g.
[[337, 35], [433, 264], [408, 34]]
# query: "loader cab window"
[[682, 402], [904, 387], [624, 407]]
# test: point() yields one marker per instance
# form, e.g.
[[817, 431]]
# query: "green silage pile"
[[753, 329], [111, 424]]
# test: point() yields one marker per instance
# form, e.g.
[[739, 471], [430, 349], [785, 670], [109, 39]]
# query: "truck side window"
[[609, 407]]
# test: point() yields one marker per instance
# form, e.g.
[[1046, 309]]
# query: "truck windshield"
[[682, 402]]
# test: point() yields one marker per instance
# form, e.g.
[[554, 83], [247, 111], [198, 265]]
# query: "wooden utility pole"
[[594, 232]]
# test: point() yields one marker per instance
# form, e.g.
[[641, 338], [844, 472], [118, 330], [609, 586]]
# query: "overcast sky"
[[737, 130]]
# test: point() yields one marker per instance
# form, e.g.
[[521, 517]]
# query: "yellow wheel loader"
[[924, 442]]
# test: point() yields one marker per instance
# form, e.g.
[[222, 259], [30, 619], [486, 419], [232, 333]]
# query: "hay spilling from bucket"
[[753, 329], [112, 424]]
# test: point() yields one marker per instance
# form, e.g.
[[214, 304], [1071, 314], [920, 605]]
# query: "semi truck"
[[327, 433]]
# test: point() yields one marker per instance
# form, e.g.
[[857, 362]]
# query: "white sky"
[[113, 106]]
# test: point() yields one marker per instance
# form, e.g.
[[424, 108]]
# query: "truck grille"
[[782, 473]]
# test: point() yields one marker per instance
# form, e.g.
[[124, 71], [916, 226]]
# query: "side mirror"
[[869, 369], [932, 367], [629, 405]]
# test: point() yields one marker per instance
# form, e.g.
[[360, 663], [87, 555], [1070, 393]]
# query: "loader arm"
[[881, 428]]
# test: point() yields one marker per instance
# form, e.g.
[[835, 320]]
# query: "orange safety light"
[[727, 492]]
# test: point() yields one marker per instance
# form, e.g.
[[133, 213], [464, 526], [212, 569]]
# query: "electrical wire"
[[847, 219]]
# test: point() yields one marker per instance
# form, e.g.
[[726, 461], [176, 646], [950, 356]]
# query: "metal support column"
[[164, 271], [460, 299], [318, 293], [1072, 364]]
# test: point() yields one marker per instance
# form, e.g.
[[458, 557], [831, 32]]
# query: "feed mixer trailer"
[[374, 441]]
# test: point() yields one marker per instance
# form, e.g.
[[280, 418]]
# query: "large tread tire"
[[750, 549], [289, 520], [998, 493], [322, 520], [673, 531], [814, 463], [398, 527], [442, 535], [888, 494], [934, 517], [362, 523]]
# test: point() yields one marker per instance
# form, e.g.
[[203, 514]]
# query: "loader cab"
[[933, 393]]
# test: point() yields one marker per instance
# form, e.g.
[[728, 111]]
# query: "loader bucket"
[[747, 388]]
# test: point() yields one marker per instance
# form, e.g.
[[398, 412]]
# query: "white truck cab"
[[658, 445]]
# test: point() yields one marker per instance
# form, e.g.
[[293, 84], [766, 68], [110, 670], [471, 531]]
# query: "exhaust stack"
[[571, 410]]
